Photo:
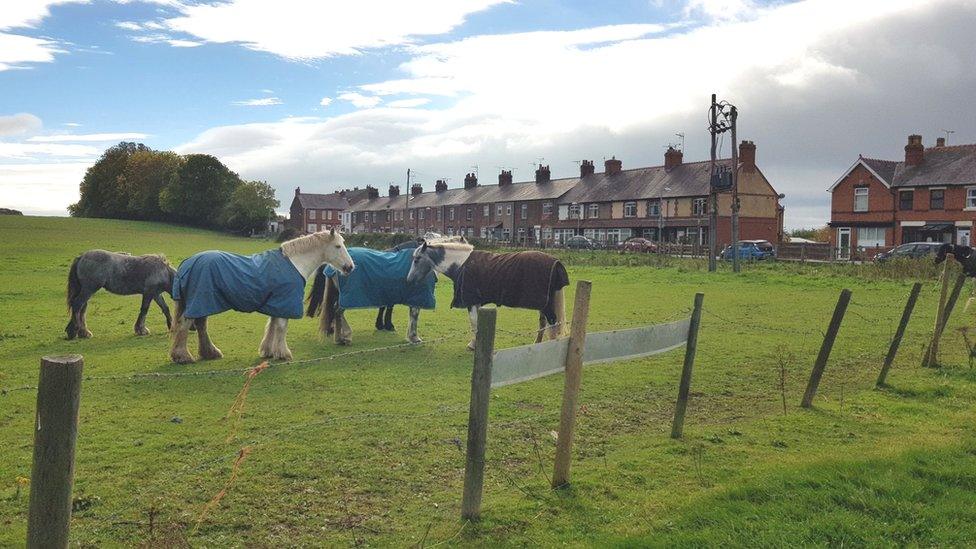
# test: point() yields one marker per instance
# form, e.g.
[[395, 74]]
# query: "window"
[[311, 227], [521, 234], [508, 209], [630, 209], [374, 217], [937, 199], [451, 217], [506, 234], [871, 237], [575, 211], [411, 215], [498, 211], [593, 211], [699, 206], [861, 199], [547, 208], [439, 214], [525, 211], [389, 214], [486, 210], [423, 214], [312, 213], [653, 208], [906, 200], [971, 197], [330, 213], [469, 215]]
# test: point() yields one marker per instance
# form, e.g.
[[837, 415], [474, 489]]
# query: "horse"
[[524, 280], [121, 274], [271, 282], [963, 254], [378, 281]]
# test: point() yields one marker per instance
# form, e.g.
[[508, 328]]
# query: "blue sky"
[[333, 94]]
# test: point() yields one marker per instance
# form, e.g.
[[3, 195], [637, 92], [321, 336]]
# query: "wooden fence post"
[[825, 348], [927, 357], [906, 315], [678, 425], [56, 430], [474, 463], [945, 311], [571, 384]]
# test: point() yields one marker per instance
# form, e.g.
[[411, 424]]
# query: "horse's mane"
[[460, 246], [305, 243]]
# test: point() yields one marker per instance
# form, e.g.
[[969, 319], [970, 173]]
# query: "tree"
[[145, 176], [201, 192], [252, 205], [102, 194]]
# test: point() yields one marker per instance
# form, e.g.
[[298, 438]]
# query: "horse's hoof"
[[471, 346], [142, 331], [343, 341], [415, 340], [283, 356], [212, 353], [181, 358], [85, 333], [389, 328]]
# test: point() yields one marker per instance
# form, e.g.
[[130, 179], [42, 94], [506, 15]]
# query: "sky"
[[330, 94]]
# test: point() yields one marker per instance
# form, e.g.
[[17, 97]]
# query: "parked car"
[[580, 242], [751, 250], [638, 244], [912, 250]]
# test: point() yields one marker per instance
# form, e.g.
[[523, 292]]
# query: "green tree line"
[[132, 181]]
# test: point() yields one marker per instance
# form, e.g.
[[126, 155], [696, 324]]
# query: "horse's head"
[[336, 253], [440, 257], [944, 249]]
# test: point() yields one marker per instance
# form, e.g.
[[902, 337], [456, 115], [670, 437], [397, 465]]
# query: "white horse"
[[272, 283], [525, 280]]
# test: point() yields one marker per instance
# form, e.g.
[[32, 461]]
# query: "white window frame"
[[872, 241], [858, 194], [486, 210], [592, 211], [525, 211], [508, 209], [311, 228], [411, 215], [451, 216], [470, 214], [423, 214], [653, 208], [547, 208], [970, 198], [630, 209], [312, 214], [576, 211], [699, 206]]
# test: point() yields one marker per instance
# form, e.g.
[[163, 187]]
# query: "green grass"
[[368, 449]]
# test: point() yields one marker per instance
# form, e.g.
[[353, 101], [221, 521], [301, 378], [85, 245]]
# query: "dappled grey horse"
[[121, 274]]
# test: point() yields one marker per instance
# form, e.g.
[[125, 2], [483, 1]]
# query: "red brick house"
[[930, 196], [311, 212]]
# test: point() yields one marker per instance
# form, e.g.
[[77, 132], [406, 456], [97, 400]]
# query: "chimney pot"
[[440, 186], [914, 150], [612, 166], [416, 189], [372, 192], [394, 191], [940, 142], [542, 174], [470, 181], [672, 158], [586, 168], [505, 178], [298, 191]]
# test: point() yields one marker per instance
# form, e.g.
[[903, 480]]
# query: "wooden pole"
[[474, 465], [571, 385], [677, 426], [56, 429], [932, 353], [906, 315], [946, 313], [825, 348]]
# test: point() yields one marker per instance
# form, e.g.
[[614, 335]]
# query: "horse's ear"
[[423, 247], [332, 231]]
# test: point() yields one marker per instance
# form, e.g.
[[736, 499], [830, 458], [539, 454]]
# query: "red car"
[[639, 245]]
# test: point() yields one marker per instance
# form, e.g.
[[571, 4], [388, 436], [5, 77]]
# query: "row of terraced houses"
[[667, 202]]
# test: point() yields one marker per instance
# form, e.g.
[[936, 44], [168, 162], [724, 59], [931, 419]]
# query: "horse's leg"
[[343, 333], [279, 345], [473, 316], [181, 328], [208, 351], [379, 318], [412, 336], [73, 329], [82, 320], [140, 326], [542, 327], [388, 320], [165, 308], [266, 350]]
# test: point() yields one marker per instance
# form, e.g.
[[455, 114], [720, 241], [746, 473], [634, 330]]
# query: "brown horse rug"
[[526, 280]]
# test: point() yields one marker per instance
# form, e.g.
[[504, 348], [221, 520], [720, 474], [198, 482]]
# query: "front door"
[[844, 243], [962, 237]]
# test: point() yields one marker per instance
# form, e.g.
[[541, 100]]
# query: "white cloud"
[[325, 101], [311, 29], [31, 151], [724, 10], [41, 189], [408, 103], [19, 123], [129, 26], [72, 124], [16, 49], [28, 13], [359, 100], [260, 102], [87, 137], [157, 38]]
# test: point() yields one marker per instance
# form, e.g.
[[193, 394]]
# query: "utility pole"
[[733, 116], [713, 195]]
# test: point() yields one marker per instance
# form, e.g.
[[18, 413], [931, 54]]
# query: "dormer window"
[[860, 199]]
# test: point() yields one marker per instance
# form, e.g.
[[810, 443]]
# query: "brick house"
[[311, 212], [930, 196]]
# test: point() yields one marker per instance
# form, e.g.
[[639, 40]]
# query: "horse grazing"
[[271, 282], [121, 274], [963, 254], [524, 280], [378, 281]]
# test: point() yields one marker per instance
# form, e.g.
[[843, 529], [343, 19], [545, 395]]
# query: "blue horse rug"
[[213, 282], [380, 280]]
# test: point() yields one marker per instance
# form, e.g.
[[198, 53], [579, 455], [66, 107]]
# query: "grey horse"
[[121, 274]]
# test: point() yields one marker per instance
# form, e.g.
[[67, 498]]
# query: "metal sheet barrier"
[[519, 364]]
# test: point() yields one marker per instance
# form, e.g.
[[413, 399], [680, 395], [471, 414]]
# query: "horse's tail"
[[316, 295], [178, 318], [74, 283], [559, 306], [327, 324]]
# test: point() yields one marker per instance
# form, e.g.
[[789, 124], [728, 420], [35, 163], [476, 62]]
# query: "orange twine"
[[241, 455], [237, 408]]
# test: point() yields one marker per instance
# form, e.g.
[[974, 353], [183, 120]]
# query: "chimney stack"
[[505, 178], [612, 166], [586, 168], [747, 155], [542, 174], [372, 192], [394, 191], [440, 186], [672, 158], [940, 142], [298, 191], [416, 189], [470, 181], [914, 151]]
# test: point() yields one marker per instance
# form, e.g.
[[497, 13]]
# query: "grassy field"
[[368, 449]]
